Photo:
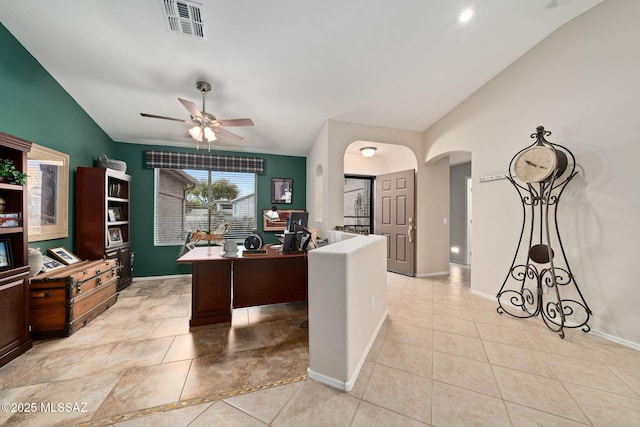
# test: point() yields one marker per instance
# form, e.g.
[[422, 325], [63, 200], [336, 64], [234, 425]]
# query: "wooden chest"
[[64, 300]]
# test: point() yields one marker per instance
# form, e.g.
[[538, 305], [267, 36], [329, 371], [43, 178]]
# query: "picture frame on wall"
[[281, 190], [6, 256], [63, 255]]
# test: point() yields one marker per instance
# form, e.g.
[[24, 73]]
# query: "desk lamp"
[[272, 214]]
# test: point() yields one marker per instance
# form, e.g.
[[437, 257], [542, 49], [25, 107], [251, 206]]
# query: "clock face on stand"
[[535, 164], [540, 277], [253, 242]]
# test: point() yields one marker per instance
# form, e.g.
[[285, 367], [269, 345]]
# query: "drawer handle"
[[46, 294]]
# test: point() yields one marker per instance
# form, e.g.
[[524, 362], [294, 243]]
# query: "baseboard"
[[171, 276], [438, 273], [348, 385], [481, 294], [617, 340], [327, 380], [596, 332]]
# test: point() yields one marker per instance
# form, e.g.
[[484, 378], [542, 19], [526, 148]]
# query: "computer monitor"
[[299, 219]]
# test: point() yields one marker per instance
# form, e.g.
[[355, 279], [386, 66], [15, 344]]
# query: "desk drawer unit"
[[64, 300], [262, 281]]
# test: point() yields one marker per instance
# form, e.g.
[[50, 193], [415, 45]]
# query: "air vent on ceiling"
[[184, 17]]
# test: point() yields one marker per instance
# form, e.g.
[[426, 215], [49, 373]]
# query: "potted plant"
[[8, 172]]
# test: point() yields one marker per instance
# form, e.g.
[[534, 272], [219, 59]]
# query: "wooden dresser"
[[66, 299]]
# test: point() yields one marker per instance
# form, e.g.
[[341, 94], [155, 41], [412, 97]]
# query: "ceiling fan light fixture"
[[205, 125], [196, 133], [368, 152], [209, 134]]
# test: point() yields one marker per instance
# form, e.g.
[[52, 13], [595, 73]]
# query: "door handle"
[[410, 230]]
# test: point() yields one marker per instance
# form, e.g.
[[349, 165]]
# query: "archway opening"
[[379, 197]]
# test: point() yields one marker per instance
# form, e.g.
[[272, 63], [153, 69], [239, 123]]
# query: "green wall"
[[153, 260], [33, 106]]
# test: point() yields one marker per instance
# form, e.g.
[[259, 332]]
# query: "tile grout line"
[[190, 402]]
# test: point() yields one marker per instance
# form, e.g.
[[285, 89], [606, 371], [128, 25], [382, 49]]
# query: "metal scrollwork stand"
[[539, 281]]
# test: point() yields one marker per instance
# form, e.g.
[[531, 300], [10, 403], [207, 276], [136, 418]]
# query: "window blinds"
[[185, 202]]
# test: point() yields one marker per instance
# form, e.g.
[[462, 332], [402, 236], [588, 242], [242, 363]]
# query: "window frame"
[[180, 242]]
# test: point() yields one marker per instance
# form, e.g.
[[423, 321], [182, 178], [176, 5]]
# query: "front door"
[[395, 219]]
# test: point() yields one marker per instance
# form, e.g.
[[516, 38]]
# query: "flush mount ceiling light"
[[465, 15], [368, 152]]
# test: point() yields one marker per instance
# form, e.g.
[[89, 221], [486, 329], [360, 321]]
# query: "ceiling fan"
[[205, 125]]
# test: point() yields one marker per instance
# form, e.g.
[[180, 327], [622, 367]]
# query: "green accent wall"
[[33, 106], [153, 260]]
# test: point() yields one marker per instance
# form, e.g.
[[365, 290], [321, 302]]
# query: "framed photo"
[[49, 264], [117, 213], [63, 255], [112, 215], [6, 257], [10, 220], [281, 190], [115, 236]]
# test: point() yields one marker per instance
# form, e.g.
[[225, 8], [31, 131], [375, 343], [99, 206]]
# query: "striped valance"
[[175, 160]]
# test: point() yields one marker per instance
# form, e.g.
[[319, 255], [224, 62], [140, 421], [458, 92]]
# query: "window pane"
[[190, 200], [357, 203]]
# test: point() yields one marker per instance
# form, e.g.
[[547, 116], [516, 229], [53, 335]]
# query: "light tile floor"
[[444, 357]]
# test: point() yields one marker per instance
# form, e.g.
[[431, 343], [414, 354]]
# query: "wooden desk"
[[221, 284]]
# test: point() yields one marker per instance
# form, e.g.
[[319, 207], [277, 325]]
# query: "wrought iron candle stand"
[[538, 274]]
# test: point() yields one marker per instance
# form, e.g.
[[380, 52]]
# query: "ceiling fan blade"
[[153, 116], [226, 134], [236, 122], [191, 108]]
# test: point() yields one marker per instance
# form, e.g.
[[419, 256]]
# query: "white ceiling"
[[290, 65]]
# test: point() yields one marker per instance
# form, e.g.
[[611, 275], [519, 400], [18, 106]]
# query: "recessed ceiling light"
[[465, 15]]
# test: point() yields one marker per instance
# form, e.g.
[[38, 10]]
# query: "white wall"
[[581, 83], [328, 151], [317, 181], [347, 306], [432, 205]]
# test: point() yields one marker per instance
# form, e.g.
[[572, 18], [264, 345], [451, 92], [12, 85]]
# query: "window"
[[47, 193], [190, 200], [358, 202]]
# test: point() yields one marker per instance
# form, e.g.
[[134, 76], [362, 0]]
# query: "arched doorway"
[[390, 207]]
